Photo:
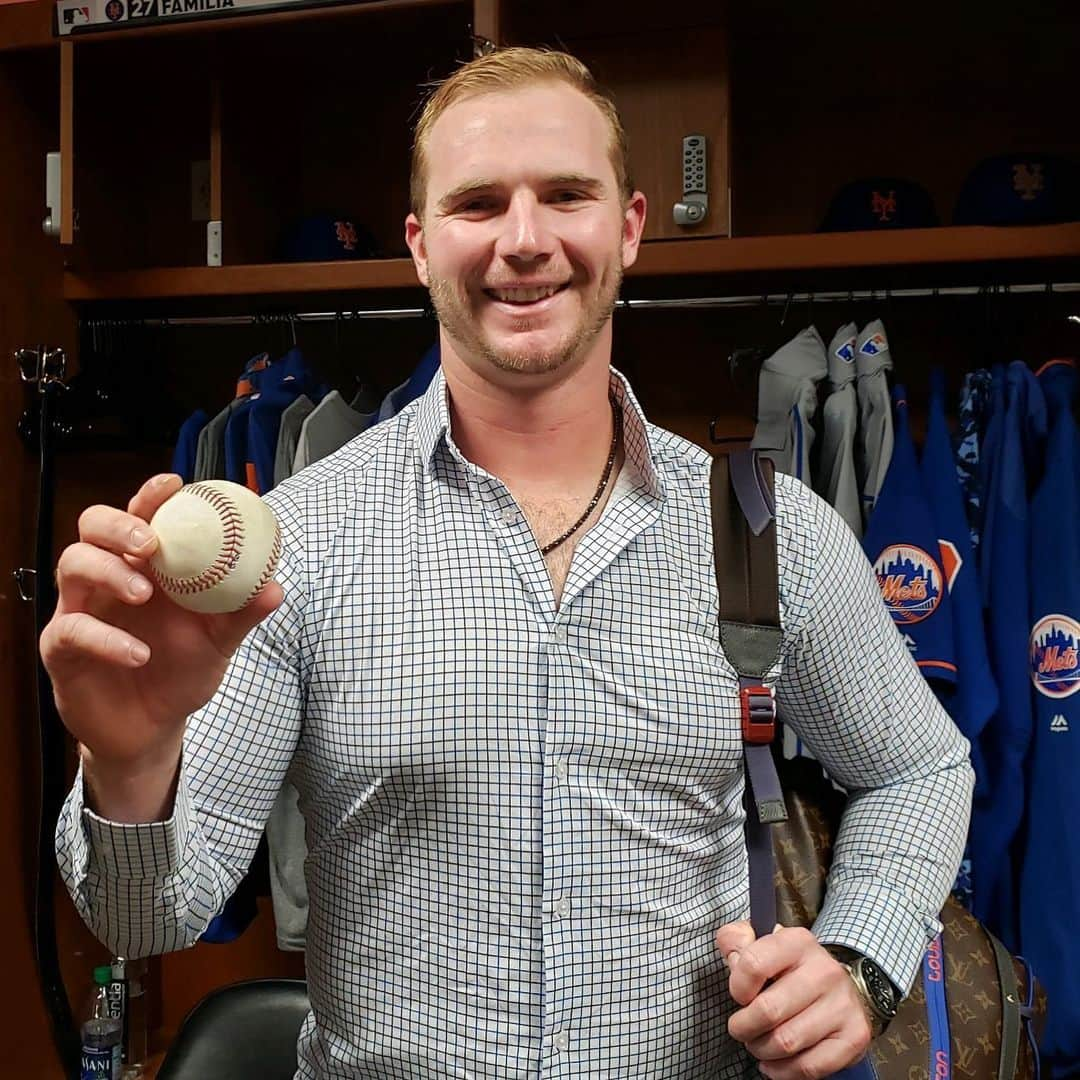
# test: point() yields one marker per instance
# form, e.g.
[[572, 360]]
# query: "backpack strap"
[[744, 552]]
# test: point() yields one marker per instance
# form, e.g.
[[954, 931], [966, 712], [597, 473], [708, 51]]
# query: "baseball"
[[218, 545]]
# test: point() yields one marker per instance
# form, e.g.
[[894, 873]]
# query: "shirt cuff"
[[137, 852], [872, 920]]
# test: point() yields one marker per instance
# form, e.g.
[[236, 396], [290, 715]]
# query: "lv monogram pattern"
[[803, 850]]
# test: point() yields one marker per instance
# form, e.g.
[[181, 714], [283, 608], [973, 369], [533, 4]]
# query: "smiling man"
[[491, 666]]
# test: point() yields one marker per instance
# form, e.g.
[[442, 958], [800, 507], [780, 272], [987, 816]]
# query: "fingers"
[[829, 1056], [770, 956], [114, 530], [822, 1019], [84, 569], [145, 502], [803, 1018], [85, 566], [801, 972], [734, 937], [77, 637], [778, 1003]]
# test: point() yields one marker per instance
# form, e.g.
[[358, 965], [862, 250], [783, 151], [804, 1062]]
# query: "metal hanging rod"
[[682, 303]]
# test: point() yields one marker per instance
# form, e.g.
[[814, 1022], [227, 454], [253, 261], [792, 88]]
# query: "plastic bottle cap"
[[103, 975]]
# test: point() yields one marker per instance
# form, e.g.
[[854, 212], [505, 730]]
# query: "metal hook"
[[25, 582], [787, 304]]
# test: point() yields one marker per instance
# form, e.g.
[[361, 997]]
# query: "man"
[[492, 661]]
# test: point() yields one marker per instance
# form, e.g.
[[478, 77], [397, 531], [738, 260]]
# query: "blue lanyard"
[[937, 1010]]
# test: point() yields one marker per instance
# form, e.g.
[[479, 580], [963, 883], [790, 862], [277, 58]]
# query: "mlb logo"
[[846, 352], [76, 16], [874, 345]]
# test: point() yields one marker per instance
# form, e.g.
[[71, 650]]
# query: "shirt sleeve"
[[850, 689], [153, 888]]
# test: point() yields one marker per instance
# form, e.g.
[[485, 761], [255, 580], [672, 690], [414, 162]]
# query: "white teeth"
[[524, 295]]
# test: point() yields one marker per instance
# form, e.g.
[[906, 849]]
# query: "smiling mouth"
[[524, 296]]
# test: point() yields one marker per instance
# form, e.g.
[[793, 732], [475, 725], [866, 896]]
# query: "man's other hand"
[[802, 1017]]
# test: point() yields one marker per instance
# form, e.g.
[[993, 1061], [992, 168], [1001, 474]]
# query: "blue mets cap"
[[880, 203], [326, 238], [1020, 189]]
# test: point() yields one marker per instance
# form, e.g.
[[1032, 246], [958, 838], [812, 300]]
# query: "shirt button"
[[509, 517], [559, 634], [561, 769], [562, 908], [562, 1041]]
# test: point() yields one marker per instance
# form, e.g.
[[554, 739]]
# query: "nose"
[[525, 235]]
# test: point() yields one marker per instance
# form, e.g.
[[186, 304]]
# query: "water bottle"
[[135, 1037], [101, 1033]]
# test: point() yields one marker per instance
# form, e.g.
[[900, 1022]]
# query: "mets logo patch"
[[1055, 665], [874, 345], [911, 583]]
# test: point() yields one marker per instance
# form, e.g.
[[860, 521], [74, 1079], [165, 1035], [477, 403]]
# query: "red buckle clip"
[[758, 714]]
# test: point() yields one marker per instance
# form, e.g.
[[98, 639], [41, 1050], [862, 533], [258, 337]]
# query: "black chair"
[[246, 1031]]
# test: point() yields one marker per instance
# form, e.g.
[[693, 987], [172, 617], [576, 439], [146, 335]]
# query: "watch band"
[[878, 1022]]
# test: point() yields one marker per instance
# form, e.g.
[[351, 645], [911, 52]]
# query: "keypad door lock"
[[695, 201]]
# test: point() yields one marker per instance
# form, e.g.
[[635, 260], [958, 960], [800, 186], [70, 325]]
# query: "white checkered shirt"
[[525, 821]]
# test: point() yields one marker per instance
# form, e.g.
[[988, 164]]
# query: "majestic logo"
[[346, 234], [1054, 652], [1027, 181], [846, 351], [1059, 723], [911, 582], [874, 345], [883, 206]]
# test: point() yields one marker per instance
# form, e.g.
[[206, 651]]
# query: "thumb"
[[231, 629], [732, 938]]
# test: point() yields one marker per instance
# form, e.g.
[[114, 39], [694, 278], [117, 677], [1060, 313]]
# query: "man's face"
[[525, 235]]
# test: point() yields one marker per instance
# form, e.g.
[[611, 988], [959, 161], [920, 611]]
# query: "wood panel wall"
[[30, 312]]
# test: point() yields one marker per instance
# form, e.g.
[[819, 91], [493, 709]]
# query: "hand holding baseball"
[[128, 665]]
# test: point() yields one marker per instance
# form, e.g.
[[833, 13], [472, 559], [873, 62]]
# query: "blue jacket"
[[975, 697], [901, 541], [1004, 561], [1050, 878]]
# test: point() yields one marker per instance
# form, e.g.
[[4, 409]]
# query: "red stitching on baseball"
[[232, 543], [269, 568]]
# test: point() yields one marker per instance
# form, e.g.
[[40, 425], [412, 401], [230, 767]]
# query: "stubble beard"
[[457, 320]]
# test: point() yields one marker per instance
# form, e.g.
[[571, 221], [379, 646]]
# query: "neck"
[[553, 435]]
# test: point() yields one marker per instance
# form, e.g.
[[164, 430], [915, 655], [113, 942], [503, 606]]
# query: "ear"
[[633, 227], [414, 237]]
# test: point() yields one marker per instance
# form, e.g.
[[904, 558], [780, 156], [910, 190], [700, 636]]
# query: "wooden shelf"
[[253, 280], [26, 25], [838, 251], [727, 259]]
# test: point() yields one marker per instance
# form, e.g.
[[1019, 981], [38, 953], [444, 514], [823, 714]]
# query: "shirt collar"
[[433, 429]]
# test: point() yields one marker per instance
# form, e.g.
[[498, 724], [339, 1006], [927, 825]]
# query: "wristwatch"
[[878, 994]]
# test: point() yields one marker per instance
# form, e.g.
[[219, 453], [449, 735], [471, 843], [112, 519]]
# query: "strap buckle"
[[758, 714]]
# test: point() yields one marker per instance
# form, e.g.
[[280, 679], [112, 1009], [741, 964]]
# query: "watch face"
[[881, 989]]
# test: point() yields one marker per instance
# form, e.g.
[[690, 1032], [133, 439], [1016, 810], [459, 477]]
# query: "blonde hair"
[[512, 69]]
